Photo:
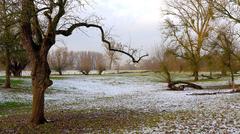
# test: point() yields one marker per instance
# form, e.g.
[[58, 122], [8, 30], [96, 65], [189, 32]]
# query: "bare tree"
[[85, 63], [227, 41], [189, 30], [60, 59], [41, 22]]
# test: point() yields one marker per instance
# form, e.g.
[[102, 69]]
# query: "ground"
[[122, 103]]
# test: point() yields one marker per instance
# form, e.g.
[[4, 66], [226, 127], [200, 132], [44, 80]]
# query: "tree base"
[[38, 122]]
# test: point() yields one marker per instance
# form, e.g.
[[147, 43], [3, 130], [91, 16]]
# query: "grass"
[[84, 121], [114, 121], [14, 82], [13, 107]]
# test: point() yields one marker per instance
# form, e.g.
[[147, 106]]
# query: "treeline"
[[212, 62], [62, 59]]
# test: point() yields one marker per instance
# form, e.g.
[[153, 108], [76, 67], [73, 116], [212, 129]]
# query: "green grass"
[[15, 83], [13, 107]]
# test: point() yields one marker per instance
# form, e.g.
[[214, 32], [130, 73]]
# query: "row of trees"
[[62, 59]]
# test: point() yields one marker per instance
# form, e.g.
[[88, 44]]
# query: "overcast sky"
[[135, 22]]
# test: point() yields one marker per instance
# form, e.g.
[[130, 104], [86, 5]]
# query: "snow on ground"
[[124, 91], [140, 93], [133, 92]]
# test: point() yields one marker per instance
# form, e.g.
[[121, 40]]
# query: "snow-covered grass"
[[142, 92]]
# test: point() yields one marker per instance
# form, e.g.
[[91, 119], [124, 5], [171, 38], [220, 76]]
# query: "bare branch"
[[103, 38]]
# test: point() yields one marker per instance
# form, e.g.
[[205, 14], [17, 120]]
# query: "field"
[[122, 103]]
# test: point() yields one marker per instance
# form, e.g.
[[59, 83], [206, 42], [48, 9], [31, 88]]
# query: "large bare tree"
[[41, 22], [188, 28]]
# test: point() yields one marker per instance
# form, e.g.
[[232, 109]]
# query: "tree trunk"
[[16, 72], [7, 70], [100, 72], [60, 72], [196, 74], [211, 74], [40, 82], [110, 64]]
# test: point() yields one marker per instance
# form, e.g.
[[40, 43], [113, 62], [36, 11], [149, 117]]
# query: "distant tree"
[[18, 60], [60, 59], [85, 63]]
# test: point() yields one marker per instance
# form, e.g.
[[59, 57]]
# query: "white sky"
[[135, 22]]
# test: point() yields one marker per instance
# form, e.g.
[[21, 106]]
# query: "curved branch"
[[77, 25]]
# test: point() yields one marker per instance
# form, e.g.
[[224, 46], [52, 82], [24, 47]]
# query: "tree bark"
[[40, 82], [7, 70]]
